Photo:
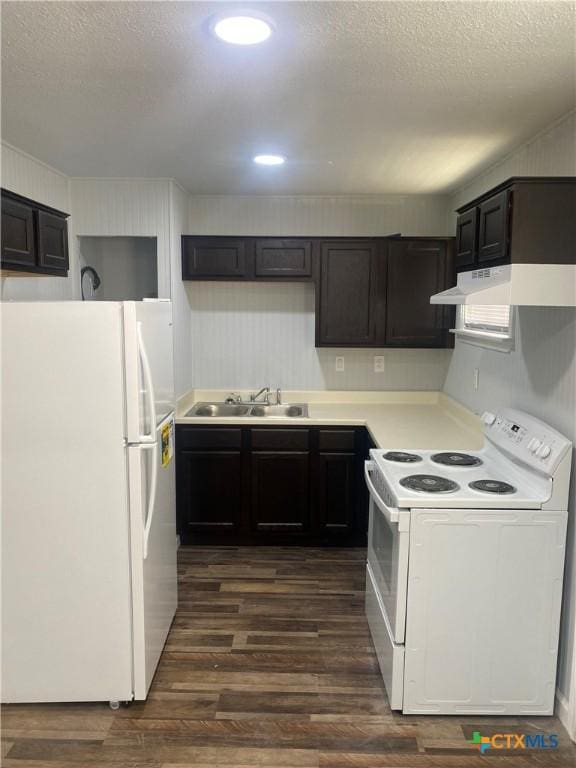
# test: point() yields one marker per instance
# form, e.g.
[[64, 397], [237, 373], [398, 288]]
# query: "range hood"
[[531, 285]]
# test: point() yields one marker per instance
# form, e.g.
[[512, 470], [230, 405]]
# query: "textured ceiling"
[[363, 97]]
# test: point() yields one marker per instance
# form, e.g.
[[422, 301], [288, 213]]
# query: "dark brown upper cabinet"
[[283, 258], [366, 294], [34, 237], [525, 220], [52, 241], [247, 258], [18, 235], [417, 268], [209, 258], [493, 228], [466, 238], [350, 294]]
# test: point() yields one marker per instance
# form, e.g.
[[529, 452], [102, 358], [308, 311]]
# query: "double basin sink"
[[249, 410]]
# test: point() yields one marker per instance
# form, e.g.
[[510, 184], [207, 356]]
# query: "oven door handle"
[[390, 513]]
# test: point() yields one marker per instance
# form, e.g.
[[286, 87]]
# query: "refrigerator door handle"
[[152, 497], [149, 386]]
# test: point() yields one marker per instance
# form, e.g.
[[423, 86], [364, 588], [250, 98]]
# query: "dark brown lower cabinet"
[[271, 485], [280, 492], [209, 496], [337, 481]]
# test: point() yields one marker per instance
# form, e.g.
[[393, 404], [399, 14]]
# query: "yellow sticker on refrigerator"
[[167, 436]]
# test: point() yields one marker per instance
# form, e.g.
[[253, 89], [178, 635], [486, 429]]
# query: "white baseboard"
[[563, 711]]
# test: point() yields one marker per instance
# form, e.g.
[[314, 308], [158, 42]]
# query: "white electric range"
[[465, 569]]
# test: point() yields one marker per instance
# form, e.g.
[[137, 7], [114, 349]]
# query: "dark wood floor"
[[269, 664]]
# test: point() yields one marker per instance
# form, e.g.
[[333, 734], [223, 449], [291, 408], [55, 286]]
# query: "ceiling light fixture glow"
[[269, 159], [242, 30]]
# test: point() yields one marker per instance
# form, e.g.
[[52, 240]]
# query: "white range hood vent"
[[532, 285]]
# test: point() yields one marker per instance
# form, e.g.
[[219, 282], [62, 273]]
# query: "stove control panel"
[[528, 439]]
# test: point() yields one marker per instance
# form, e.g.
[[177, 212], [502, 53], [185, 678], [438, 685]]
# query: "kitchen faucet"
[[264, 391]]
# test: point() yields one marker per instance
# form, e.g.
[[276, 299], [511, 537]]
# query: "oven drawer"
[[390, 654], [388, 550]]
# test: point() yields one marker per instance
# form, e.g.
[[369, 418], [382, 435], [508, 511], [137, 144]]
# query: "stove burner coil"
[[492, 486], [429, 484], [456, 459], [402, 457]]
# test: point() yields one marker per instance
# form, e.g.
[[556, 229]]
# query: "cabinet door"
[[213, 257], [493, 228], [280, 492], [348, 294], [18, 243], [466, 239], [337, 481], [209, 491], [416, 270], [52, 242], [280, 258]]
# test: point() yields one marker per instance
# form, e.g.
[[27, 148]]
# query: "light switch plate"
[[378, 363], [339, 364]]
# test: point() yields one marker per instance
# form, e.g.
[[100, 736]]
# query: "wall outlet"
[[476, 378], [339, 364], [378, 363]]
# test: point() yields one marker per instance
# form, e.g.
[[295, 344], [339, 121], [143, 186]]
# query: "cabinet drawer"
[[214, 437], [336, 439], [280, 439]]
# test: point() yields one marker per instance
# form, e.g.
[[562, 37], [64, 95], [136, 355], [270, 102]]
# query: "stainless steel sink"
[[294, 410], [291, 410], [219, 409]]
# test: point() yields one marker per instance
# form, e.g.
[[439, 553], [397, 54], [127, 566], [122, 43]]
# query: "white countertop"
[[408, 420]]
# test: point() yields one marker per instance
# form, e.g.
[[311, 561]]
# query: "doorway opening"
[[118, 268]]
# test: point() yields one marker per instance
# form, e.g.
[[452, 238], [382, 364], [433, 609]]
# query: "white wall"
[[125, 207], [251, 335], [349, 215], [551, 153], [27, 176], [183, 348], [539, 376]]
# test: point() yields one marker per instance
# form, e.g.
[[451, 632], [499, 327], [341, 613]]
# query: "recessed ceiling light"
[[269, 159], [242, 30]]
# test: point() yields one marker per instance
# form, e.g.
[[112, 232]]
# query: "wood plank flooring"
[[269, 664]]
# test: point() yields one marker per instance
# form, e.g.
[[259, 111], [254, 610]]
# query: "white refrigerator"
[[89, 585]]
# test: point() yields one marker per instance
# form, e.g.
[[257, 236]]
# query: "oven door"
[[388, 542]]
